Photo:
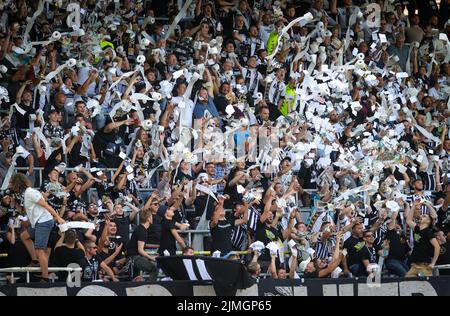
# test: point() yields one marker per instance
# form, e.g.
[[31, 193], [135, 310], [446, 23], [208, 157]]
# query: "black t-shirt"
[[18, 255], [107, 146], [63, 256], [398, 247], [266, 234], [114, 242], [139, 234], [369, 253], [423, 249], [91, 268], [167, 239], [311, 275], [23, 121], [306, 175], [353, 246], [123, 228], [75, 158], [154, 231], [444, 258], [221, 236]]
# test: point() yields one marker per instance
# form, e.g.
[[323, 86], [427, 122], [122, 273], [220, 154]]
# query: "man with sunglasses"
[[369, 254], [92, 264], [154, 231]]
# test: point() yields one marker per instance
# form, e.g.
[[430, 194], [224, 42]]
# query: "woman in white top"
[[41, 217]]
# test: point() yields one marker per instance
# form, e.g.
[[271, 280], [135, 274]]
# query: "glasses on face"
[[368, 236]]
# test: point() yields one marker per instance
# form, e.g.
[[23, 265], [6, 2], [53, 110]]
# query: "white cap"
[[304, 264]]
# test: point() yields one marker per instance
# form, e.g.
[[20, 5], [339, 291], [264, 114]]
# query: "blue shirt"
[[199, 109]]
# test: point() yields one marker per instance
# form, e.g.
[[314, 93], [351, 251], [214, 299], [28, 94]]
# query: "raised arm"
[[119, 169], [134, 212], [272, 267], [288, 230], [82, 90], [113, 125], [337, 258], [216, 215], [244, 219], [409, 216], [267, 209]]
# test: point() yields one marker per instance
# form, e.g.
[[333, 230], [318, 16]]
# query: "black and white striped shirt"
[[239, 236], [410, 199], [253, 218], [277, 91], [324, 249], [429, 181]]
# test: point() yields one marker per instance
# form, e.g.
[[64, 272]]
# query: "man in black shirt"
[[169, 234], [154, 231], [107, 142], [354, 245], [136, 248], [444, 256], [92, 263], [426, 248], [70, 252], [269, 229], [398, 248], [123, 221], [222, 228], [368, 255]]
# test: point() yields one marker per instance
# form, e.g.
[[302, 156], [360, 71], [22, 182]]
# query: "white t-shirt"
[[186, 113], [35, 212]]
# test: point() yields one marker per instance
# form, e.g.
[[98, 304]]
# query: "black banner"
[[434, 286]]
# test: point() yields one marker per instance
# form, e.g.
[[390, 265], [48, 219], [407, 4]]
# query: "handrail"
[[38, 269], [28, 270], [440, 267]]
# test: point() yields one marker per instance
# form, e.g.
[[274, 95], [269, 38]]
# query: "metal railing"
[[29, 270], [440, 267]]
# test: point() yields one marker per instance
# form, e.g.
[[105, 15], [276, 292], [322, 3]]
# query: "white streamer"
[[178, 18]]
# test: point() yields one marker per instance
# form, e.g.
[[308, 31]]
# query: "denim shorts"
[[41, 233]]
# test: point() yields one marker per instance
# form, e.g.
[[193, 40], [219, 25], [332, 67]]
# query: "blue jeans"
[[354, 269], [41, 233], [397, 267]]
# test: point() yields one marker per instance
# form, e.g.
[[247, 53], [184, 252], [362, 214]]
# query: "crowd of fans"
[[305, 137]]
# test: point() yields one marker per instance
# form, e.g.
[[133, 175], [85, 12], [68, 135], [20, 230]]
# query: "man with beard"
[[418, 195]]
